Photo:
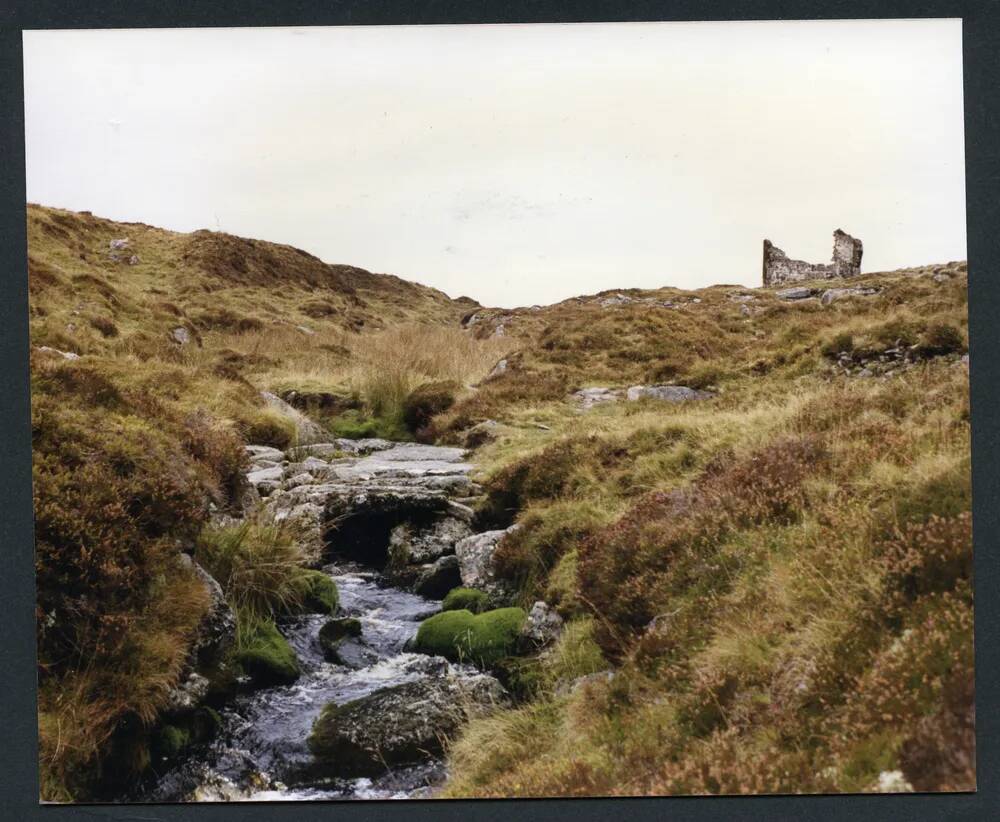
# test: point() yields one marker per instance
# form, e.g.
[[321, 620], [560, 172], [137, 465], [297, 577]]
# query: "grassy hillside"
[[768, 590], [138, 437], [778, 578]]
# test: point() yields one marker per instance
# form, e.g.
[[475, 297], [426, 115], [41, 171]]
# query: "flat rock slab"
[[796, 293], [666, 393]]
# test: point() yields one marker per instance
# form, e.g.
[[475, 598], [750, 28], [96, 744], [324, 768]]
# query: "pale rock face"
[[475, 558], [542, 626], [180, 335]]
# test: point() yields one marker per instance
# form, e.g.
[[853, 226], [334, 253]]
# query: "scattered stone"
[[305, 330], [893, 782], [796, 294], [833, 294], [542, 626], [745, 310], [133, 260], [180, 335], [498, 369], [66, 355], [589, 397], [118, 245], [666, 393]]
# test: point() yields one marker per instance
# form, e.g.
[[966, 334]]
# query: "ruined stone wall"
[[779, 268], [846, 254]]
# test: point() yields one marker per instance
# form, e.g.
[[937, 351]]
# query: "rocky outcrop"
[[475, 558], [398, 725], [347, 498], [779, 269]]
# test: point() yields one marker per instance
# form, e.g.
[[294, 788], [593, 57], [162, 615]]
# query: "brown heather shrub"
[[930, 557], [666, 542], [915, 703], [105, 325]]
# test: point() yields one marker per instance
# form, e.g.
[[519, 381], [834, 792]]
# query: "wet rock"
[[411, 544], [438, 578], [187, 695], [216, 632], [398, 725], [666, 393]]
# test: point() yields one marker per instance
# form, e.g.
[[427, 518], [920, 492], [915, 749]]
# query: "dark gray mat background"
[[18, 773]]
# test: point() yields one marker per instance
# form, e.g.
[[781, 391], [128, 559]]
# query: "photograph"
[[488, 411]]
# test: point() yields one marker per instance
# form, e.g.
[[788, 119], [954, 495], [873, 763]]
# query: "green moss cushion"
[[267, 657], [482, 639], [468, 599], [321, 594]]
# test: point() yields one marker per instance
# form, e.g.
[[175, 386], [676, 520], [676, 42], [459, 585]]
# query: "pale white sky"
[[517, 164]]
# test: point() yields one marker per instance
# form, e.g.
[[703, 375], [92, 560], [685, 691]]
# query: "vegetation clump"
[[462, 636], [266, 656], [465, 599]]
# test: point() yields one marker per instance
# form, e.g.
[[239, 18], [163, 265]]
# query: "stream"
[[260, 752]]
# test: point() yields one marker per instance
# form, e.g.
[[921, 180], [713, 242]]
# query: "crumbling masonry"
[[779, 269]]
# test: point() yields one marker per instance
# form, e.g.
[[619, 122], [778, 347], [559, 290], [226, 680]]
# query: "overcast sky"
[[517, 164]]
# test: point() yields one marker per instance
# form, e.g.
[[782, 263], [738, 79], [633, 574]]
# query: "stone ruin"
[[779, 269]]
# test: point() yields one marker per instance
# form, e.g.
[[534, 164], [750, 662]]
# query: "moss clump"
[[483, 639], [465, 599], [321, 595], [267, 657], [170, 741]]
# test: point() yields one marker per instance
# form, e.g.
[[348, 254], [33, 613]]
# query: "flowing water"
[[260, 752]]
